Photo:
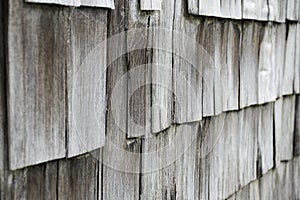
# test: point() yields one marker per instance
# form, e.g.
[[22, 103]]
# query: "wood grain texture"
[[266, 65], [280, 56], [117, 183], [91, 3], [188, 59], [177, 179], [249, 63], [290, 56], [78, 177], [225, 9], [87, 80], [36, 79], [3, 114], [273, 10], [280, 183], [292, 12], [151, 4], [284, 128]]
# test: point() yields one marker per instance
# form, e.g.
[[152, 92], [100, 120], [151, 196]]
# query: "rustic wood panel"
[[87, 81], [36, 79], [151, 4], [92, 3], [284, 128]]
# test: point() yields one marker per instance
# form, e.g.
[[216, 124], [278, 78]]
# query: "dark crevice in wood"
[[259, 172], [4, 71], [66, 88], [274, 138], [140, 186]]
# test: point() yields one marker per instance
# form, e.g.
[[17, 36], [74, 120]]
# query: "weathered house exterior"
[[150, 99]]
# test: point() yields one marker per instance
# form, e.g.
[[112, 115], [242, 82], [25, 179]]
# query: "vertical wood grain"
[[36, 77], [87, 80]]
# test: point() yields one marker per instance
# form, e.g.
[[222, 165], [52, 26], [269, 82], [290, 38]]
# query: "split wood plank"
[[284, 128], [151, 4], [36, 79], [249, 63], [266, 65], [280, 44], [87, 81], [91, 3], [265, 139], [206, 38], [162, 90], [290, 57], [188, 58], [227, 63]]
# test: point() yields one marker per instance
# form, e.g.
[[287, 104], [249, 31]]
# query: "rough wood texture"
[[280, 183], [293, 7], [117, 182], [78, 177], [225, 9], [188, 59], [36, 78], [273, 10], [249, 63], [151, 4], [92, 3], [290, 57], [87, 81], [284, 128], [3, 116], [169, 164]]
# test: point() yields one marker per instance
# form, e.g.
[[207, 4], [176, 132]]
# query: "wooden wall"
[[237, 122]]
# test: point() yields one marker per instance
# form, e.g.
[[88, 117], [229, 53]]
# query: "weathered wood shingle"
[[36, 83]]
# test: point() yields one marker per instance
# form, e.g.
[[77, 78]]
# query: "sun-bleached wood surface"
[[215, 114]]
